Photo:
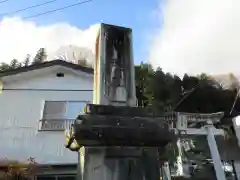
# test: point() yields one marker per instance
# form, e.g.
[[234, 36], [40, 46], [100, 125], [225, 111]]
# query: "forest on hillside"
[[168, 92]]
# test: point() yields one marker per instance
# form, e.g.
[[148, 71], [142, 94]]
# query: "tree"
[[12, 65], [40, 56], [15, 64], [4, 66], [26, 62], [143, 75]]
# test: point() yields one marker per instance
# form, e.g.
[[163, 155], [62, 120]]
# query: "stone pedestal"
[[121, 147], [100, 165]]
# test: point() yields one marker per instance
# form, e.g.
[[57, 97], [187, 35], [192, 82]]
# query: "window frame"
[[63, 118], [63, 113]]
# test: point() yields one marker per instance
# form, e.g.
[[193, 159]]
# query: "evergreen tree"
[[15, 64], [27, 60], [40, 56]]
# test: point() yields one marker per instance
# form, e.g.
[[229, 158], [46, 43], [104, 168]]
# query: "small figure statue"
[[118, 89]]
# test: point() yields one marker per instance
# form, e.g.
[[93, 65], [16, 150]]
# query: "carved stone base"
[[113, 164]]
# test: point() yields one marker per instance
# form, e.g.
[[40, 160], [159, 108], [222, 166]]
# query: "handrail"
[[55, 124]]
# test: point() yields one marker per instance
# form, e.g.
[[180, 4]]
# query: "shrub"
[[15, 170]]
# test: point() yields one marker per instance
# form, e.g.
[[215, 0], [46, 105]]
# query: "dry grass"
[[12, 169]]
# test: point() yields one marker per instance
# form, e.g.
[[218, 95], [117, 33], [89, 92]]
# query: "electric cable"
[[4, 1], [57, 9], [185, 97], [27, 8], [235, 101], [43, 13]]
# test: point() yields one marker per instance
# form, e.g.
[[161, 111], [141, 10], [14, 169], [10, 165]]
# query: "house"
[[37, 103]]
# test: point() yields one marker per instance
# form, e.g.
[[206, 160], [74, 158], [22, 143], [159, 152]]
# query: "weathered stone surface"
[[119, 121], [126, 111], [144, 167], [122, 131]]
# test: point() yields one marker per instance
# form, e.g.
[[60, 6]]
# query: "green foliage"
[[163, 91], [40, 56], [15, 64], [12, 65], [26, 62], [4, 66]]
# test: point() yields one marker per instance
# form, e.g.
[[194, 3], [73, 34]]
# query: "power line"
[[186, 96], [4, 1], [235, 101], [26, 8], [58, 9], [195, 88]]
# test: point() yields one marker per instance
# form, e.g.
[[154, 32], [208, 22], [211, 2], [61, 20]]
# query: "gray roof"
[[44, 65]]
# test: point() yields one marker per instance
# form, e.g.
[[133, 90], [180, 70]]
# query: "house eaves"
[[37, 66]]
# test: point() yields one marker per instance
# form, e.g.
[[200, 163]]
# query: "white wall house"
[[36, 104]]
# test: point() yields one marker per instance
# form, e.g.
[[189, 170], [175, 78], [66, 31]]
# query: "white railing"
[[55, 124]]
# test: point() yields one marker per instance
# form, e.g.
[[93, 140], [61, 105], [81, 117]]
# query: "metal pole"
[[167, 170], [220, 174], [234, 170], [179, 159], [79, 170]]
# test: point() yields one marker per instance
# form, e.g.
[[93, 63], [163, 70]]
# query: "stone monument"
[[114, 78], [118, 140]]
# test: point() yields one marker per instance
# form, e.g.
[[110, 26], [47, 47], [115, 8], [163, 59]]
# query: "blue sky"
[[137, 15], [188, 36]]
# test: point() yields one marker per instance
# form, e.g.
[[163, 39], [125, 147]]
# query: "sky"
[[180, 36], [76, 26], [198, 36]]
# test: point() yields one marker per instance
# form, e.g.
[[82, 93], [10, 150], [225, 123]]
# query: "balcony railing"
[[55, 124]]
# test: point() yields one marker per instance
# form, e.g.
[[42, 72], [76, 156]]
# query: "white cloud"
[[20, 37], [198, 36]]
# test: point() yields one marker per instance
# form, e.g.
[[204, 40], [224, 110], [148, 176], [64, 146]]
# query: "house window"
[[59, 115], [54, 109]]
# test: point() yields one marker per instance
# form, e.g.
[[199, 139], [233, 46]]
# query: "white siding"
[[20, 112]]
